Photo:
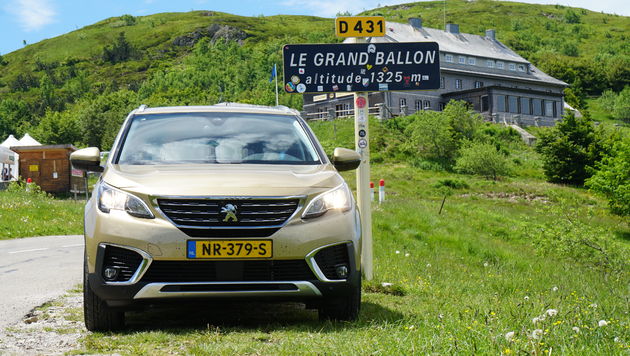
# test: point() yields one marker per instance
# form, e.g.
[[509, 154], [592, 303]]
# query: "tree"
[[570, 150], [120, 51], [430, 136], [613, 177], [58, 128]]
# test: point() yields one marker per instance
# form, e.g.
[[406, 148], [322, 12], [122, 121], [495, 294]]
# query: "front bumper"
[[150, 289]]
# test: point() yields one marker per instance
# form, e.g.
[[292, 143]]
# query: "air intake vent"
[[216, 217], [228, 271], [332, 257], [125, 261]]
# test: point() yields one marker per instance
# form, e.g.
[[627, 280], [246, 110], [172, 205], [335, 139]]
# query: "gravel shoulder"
[[53, 328]]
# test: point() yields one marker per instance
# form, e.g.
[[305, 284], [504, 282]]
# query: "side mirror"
[[87, 159], [345, 159]]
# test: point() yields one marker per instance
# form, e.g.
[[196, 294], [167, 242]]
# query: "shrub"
[[613, 178], [570, 150], [482, 159], [452, 183]]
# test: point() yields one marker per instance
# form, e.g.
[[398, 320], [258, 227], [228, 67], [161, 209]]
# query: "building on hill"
[[481, 70]]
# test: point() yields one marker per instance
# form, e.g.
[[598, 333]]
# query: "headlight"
[[339, 198], [111, 198]]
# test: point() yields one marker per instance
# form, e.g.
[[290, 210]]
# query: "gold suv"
[[223, 201]]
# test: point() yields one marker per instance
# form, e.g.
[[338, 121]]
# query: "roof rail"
[[142, 107]]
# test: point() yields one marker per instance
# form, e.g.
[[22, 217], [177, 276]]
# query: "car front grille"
[[330, 258], [228, 217], [228, 271], [124, 260]]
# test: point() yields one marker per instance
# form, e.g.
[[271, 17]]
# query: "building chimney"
[[452, 28], [491, 34], [415, 22]]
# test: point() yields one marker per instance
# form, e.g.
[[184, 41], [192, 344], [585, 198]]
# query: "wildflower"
[[509, 336], [576, 329], [602, 323], [537, 334], [526, 298], [485, 264], [617, 339], [552, 312], [555, 289], [428, 265], [397, 252], [535, 320], [594, 305], [507, 351], [407, 254], [385, 284], [441, 316]]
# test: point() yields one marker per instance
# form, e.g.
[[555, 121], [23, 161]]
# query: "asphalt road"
[[36, 270]]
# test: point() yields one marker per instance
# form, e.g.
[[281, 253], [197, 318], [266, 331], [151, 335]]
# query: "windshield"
[[216, 138]]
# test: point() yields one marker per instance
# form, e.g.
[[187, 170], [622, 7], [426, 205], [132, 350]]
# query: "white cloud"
[[329, 8], [33, 14]]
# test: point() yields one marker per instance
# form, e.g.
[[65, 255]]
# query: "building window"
[[472, 61], [537, 108], [427, 105], [478, 84], [418, 106], [321, 113], [521, 68], [500, 65], [458, 84], [512, 66], [403, 102], [484, 103], [338, 110], [501, 103], [513, 104], [549, 108], [525, 106], [442, 106], [449, 58], [442, 83], [462, 60], [490, 64]]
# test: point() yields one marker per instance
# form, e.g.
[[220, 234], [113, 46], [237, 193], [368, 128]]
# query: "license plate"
[[229, 249]]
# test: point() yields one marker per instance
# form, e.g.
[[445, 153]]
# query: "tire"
[[97, 314], [345, 308]]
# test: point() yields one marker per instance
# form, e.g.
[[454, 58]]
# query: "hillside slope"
[[77, 87]]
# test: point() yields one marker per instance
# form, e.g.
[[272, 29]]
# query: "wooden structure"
[[48, 166]]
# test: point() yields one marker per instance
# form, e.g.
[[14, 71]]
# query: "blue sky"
[[35, 20]]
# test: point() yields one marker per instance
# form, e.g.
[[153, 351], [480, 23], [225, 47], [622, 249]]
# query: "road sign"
[[360, 26], [361, 67]]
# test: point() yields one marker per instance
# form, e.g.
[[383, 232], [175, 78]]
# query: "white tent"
[[27, 140], [8, 164], [10, 141], [10, 159]]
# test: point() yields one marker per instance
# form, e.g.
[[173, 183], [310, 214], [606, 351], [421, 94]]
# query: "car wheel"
[[98, 315], [345, 308]]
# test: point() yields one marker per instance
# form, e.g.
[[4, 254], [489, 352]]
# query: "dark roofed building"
[[481, 70]]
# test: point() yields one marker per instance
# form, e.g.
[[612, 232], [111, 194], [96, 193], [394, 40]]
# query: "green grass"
[[461, 281], [25, 214]]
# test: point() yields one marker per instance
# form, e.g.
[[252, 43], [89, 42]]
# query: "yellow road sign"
[[360, 26]]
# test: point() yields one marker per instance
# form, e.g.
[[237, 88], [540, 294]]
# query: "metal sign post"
[[362, 144]]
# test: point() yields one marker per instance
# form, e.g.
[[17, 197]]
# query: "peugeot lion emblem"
[[230, 213]]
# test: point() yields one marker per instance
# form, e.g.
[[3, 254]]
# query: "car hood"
[[222, 179]]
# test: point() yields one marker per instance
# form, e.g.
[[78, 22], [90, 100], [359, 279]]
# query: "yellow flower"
[[507, 352]]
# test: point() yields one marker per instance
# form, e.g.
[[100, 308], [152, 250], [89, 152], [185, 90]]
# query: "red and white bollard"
[[381, 191], [371, 191]]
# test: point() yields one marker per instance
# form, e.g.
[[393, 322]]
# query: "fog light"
[[110, 273], [342, 271]]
